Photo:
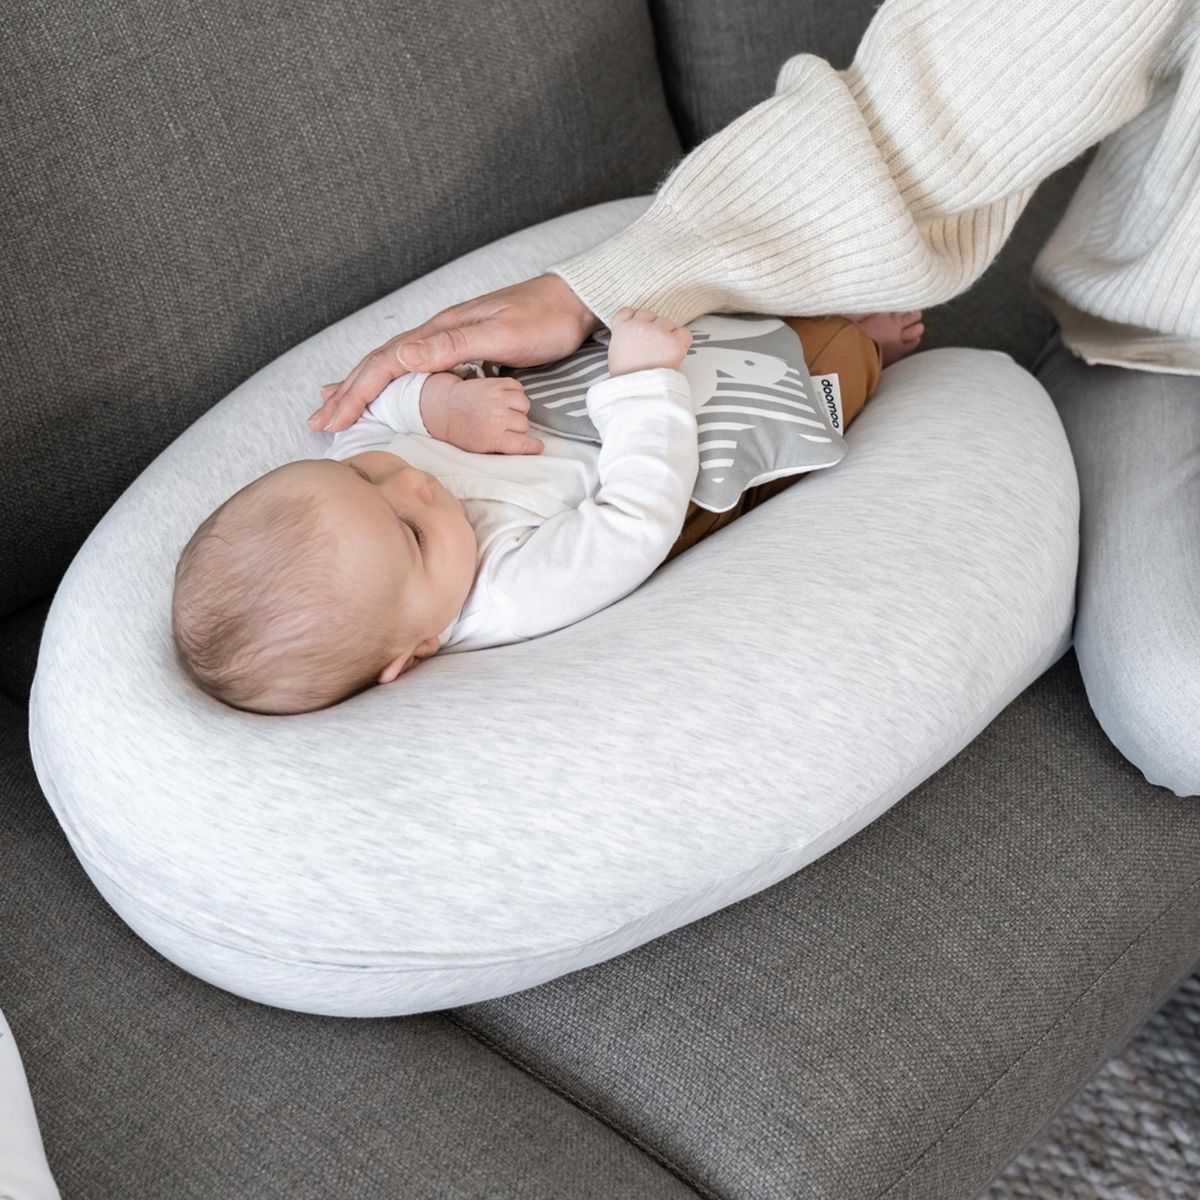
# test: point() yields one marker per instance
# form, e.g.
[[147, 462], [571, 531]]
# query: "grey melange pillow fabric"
[[499, 818]]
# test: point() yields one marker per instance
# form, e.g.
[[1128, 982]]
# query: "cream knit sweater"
[[893, 184]]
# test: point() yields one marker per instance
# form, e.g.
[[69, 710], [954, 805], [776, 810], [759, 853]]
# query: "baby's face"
[[403, 534]]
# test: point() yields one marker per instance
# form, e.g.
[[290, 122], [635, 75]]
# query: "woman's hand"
[[536, 321]]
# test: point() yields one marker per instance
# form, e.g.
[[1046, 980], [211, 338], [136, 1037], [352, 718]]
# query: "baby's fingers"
[[512, 442], [517, 400]]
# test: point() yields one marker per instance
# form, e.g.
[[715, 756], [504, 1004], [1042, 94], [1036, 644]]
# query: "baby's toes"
[[913, 333]]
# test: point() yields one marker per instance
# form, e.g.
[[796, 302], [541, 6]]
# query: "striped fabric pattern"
[[759, 413]]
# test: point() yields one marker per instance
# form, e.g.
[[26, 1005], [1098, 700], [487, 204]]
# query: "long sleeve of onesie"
[[580, 561], [398, 406], [891, 185]]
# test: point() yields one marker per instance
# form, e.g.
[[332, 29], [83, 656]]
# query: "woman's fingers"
[[378, 362], [349, 399], [535, 321], [408, 346], [328, 412], [442, 349], [345, 402], [326, 391], [361, 386]]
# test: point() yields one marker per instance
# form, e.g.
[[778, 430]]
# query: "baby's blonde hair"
[[259, 617]]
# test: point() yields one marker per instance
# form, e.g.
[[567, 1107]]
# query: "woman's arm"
[[893, 184], [888, 186]]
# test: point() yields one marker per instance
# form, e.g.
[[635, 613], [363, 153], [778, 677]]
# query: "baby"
[[326, 576]]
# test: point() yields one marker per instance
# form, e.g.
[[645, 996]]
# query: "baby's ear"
[[396, 667], [423, 649]]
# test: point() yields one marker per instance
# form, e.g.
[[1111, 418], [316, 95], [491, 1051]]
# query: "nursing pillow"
[[499, 818]]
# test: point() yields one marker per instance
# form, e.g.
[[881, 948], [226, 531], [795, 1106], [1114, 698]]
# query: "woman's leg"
[[1135, 437]]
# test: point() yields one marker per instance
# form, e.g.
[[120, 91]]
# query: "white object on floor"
[[24, 1171]]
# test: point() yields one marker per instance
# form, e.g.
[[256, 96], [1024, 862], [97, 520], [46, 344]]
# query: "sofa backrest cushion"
[[719, 59], [188, 191]]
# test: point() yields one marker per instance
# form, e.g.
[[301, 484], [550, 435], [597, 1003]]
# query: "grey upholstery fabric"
[[20, 633], [187, 191], [958, 967], [719, 59]]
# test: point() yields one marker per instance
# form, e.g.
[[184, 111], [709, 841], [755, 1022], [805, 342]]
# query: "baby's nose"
[[418, 483]]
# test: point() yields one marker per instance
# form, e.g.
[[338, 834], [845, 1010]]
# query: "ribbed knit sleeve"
[[890, 185]]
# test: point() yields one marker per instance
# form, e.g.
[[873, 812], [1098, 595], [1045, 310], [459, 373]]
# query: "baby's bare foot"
[[898, 334]]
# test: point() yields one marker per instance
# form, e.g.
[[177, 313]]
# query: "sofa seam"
[[578, 1102], [1175, 904]]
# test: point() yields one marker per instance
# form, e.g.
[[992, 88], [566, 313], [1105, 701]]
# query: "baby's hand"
[[487, 416], [642, 339]]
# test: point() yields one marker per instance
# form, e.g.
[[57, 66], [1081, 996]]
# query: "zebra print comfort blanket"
[[760, 413]]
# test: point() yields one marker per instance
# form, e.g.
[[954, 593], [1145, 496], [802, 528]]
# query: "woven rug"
[[1132, 1132]]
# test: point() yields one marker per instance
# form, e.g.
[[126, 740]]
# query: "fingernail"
[[413, 353], [314, 416]]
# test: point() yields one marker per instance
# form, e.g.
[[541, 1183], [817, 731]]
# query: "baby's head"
[[319, 579]]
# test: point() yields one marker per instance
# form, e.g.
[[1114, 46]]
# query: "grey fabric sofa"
[[187, 194]]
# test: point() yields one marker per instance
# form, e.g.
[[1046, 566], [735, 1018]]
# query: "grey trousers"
[[1135, 436]]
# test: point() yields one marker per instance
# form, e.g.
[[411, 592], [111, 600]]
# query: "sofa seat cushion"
[[501, 818]]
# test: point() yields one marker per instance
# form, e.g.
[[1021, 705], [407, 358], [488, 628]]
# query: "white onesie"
[[564, 533]]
